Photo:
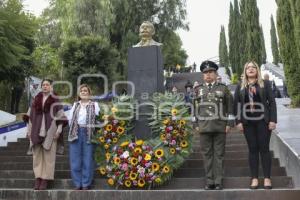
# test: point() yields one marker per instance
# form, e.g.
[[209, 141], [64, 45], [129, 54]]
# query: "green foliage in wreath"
[[128, 162]]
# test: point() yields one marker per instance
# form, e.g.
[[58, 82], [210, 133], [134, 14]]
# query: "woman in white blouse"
[[82, 120]]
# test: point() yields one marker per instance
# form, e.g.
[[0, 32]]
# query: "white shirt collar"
[[210, 83]]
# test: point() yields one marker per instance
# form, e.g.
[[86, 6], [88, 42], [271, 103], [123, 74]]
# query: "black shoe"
[[268, 187], [219, 187], [209, 187]]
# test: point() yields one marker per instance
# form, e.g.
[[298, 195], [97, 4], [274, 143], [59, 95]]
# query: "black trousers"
[[258, 137]]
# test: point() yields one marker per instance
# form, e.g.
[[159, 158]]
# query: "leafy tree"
[[17, 29], [263, 46], [172, 51], [274, 42], [250, 17], [288, 45], [89, 55], [234, 29], [46, 62], [223, 51]]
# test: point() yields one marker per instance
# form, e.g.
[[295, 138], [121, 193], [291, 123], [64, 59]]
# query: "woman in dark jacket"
[[255, 109], [45, 122]]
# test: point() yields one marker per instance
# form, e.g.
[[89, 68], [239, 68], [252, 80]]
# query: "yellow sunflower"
[[158, 180], [106, 146], [174, 111], [166, 121], [172, 150], [104, 117], [117, 160], [108, 127], [127, 183], [133, 176], [114, 109], [163, 136], [115, 140], [141, 182], [183, 143], [155, 167], [120, 130], [159, 153], [175, 132], [102, 139], [102, 170], [147, 157], [107, 155], [138, 150], [134, 161], [182, 122], [124, 144], [111, 182], [139, 142], [166, 169]]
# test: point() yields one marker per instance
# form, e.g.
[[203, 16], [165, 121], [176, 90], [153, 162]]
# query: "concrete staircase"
[[17, 179]]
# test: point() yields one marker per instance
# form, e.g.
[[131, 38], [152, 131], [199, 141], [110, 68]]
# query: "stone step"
[[196, 148], [192, 163], [25, 145], [195, 155], [228, 172], [189, 163], [175, 183], [181, 172], [187, 194], [62, 173]]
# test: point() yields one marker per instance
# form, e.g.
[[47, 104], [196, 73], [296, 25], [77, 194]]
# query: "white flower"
[[141, 170], [125, 154], [140, 158]]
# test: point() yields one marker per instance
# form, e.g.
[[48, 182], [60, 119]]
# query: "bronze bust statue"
[[147, 30]]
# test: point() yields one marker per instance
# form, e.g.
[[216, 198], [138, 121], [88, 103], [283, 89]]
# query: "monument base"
[[145, 71]]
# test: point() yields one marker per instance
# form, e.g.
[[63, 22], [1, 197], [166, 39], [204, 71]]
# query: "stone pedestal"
[[145, 70]]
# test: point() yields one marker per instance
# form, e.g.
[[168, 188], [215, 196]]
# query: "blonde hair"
[[83, 86], [260, 81]]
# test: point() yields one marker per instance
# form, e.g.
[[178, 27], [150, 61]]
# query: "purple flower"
[[148, 164], [173, 142], [131, 145], [135, 182], [124, 167]]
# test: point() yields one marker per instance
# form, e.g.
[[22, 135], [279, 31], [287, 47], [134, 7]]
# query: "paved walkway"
[[288, 126]]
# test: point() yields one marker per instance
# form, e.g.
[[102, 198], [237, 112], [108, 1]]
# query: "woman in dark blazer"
[[255, 109]]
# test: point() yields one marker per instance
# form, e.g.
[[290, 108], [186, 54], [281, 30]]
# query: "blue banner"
[[12, 127]]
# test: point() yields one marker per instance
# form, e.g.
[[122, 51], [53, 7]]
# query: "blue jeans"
[[81, 160]]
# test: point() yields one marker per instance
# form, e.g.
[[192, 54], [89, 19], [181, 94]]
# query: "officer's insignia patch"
[[219, 94], [201, 92]]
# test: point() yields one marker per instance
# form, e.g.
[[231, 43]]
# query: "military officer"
[[214, 108]]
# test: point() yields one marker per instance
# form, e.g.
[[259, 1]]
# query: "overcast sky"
[[205, 18]]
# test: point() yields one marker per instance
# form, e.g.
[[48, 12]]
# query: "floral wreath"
[[131, 163]]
